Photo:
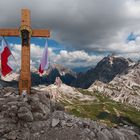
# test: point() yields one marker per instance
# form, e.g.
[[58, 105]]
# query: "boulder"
[[25, 114]]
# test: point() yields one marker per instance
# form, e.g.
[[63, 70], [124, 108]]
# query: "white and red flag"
[[44, 60], [5, 53]]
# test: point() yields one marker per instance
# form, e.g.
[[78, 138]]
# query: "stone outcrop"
[[65, 93]]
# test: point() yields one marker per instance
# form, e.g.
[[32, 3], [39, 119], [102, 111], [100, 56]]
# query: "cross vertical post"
[[25, 33]]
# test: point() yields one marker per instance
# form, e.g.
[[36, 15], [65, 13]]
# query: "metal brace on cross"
[[25, 32]]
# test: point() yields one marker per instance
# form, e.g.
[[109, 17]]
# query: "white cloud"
[[36, 52], [70, 59], [76, 59], [126, 49], [133, 7]]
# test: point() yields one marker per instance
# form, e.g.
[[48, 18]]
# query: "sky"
[[82, 31]]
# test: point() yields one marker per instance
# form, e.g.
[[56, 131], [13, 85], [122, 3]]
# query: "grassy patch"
[[104, 110]]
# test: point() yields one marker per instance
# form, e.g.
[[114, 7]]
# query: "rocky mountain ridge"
[[125, 87]]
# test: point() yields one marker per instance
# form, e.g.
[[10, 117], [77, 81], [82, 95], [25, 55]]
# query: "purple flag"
[[44, 59]]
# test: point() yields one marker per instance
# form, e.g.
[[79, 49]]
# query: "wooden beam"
[[40, 33], [9, 32], [25, 17], [25, 75]]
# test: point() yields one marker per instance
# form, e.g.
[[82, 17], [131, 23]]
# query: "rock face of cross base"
[[36, 117]]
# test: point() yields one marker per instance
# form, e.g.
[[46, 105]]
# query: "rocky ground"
[[65, 93], [93, 105], [37, 117]]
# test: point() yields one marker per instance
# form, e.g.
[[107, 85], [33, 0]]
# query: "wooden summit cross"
[[25, 32]]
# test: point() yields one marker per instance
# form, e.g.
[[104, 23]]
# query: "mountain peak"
[[104, 71]]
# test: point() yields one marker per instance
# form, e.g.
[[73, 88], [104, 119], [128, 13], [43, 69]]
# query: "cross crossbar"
[[25, 32]]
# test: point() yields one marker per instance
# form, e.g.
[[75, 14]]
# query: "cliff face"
[[105, 71], [37, 117]]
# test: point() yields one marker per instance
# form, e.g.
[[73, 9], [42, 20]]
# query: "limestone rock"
[[55, 122]]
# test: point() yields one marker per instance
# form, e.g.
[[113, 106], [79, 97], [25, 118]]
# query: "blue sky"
[[38, 41], [132, 37]]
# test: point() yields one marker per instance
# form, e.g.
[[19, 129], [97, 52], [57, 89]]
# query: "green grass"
[[104, 110]]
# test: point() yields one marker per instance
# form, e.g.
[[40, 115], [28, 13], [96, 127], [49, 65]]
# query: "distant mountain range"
[[55, 70], [104, 71]]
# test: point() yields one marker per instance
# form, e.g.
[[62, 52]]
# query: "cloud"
[[132, 46], [90, 25], [36, 53], [71, 59], [76, 59]]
